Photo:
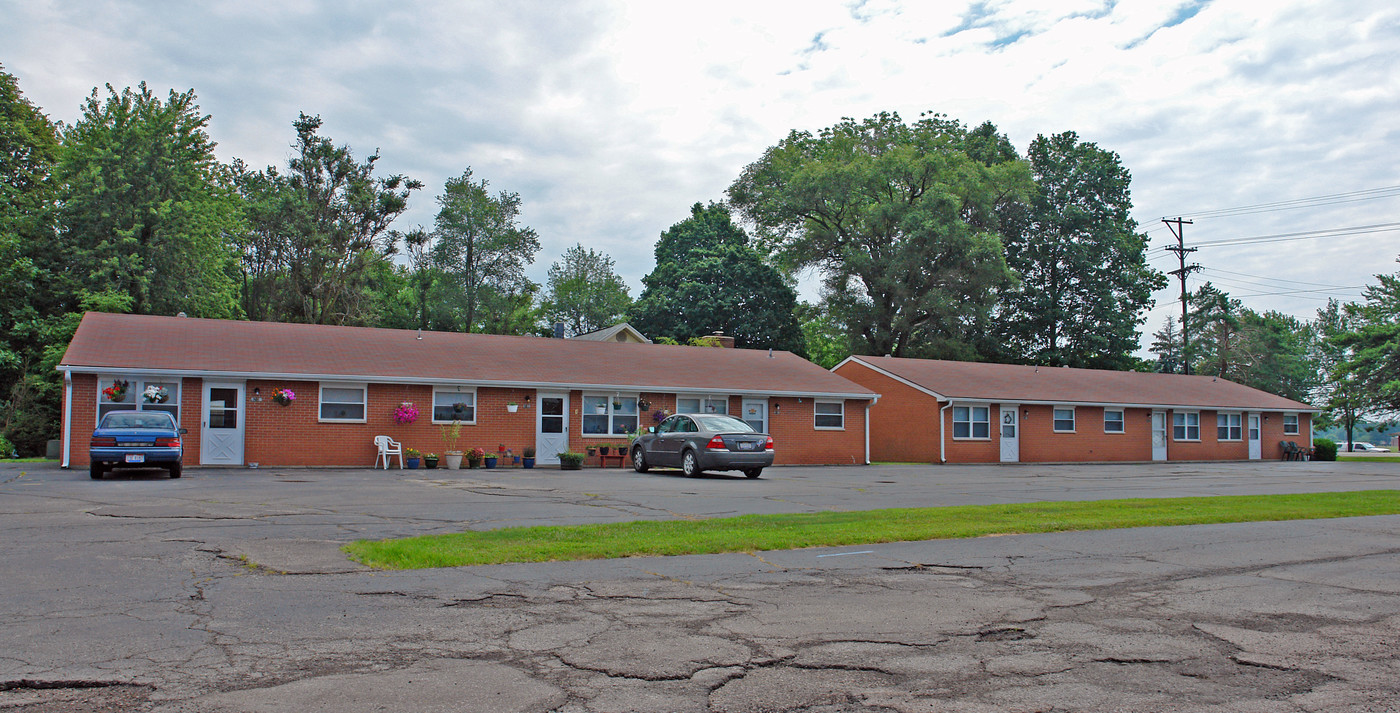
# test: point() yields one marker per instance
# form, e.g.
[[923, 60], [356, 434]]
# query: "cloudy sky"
[[611, 118]]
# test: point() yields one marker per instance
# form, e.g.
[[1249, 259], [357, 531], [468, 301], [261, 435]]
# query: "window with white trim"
[[695, 404], [154, 394], [829, 414], [609, 415], [1228, 427], [1064, 420], [454, 403], [973, 422], [343, 403], [1290, 424], [1186, 426], [1112, 420]]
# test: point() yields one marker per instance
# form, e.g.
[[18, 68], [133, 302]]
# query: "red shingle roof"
[[1013, 383], [134, 343]]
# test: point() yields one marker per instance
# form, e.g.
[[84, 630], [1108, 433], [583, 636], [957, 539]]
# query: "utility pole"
[[1181, 251]]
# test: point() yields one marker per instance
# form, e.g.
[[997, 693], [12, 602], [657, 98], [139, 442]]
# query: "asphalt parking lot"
[[226, 591]]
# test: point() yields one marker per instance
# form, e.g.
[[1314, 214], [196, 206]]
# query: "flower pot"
[[515, 460], [490, 462], [454, 460], [602, 410], [430, 463], [570, 465], [604, 449], [512, 408], [412, 463], [473, 464], [528, 462]]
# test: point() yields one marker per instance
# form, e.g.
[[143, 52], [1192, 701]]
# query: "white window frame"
[[817, 414], [1122, 421], [1235, 429], [135, 387], [1186, 426], [705, 400], [1054, 418], [972, 422], [1297, 424], [321, 400], [612, 414], [432, 406]]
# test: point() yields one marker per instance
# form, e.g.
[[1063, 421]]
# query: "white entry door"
[[1256, 450], [1159, 435], [755, 413], [1010, 434], [551, 428], [221, 432]]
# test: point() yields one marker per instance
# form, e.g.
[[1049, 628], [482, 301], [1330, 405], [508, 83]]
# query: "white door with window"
[[221, 431], [1256, 449], [1010, 434], [1159, 435], [756, 414], [551, 428]]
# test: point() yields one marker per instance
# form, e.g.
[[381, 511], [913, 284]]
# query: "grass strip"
[[1368, 459], [751, 533]]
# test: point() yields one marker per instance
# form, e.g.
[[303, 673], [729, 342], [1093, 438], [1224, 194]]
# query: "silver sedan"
[[697, 442]]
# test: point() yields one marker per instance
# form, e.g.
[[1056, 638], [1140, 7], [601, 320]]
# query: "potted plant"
[[622, 449], [512, 406], [474, 457], [155, 394], [430, 461], [643, 405], [450, 434], [405, 413], [617, 404], [601, 408], [592, 450], [605, 448], [459, 409], [116, 393], [489, 459], [412, 456], [528, 457], [284, 397], [569, 460]]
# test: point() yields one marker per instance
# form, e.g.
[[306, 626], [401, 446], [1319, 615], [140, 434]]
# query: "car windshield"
[[722, 423], [153, 419]]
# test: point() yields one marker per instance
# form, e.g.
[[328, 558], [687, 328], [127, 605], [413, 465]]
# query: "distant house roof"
[[617, 333], [1014, 383], [142, 344]]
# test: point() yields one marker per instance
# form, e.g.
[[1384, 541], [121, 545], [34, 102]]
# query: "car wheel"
[[690, 465], [753, 472], [95, 470], [175, 470], [639, 461]]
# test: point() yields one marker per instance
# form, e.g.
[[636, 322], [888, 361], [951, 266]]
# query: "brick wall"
[[903, 427]]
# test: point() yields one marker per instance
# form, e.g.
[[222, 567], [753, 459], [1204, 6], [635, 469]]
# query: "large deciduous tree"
[[585, 292], [146, 208], [482, 252], [1085, 283], [707, 279], [902, 221], [1345, 401], [1373, 362]]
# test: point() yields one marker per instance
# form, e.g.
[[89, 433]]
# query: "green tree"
[[707, 279], [900, 219], [826, 341], [1166, 344], [1346, 402], [146, 208], [480, 249], [585, 292], [1085, 284], [1373, 360], [1269, 351]]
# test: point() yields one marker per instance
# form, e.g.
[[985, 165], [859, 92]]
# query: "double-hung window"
[[1227, 427], [1290, 424], [609, 415], [1112, 421], [829, 414], [972, 422], [1064, 420], [1186, 426], [454, 403], [343, 402], [118, 394]]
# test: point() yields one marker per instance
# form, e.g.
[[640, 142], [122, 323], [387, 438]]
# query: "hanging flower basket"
[[284, 397], [117, 391], [155, 394], [406, 413]]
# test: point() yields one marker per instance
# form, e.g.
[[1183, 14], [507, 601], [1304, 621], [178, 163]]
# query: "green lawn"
[[1393, 458], [752, 533]]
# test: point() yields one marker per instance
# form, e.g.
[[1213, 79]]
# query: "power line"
[[1314, 201]]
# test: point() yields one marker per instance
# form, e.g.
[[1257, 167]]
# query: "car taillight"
[[100, 441], [715, 444], [768, 444], [168, 442]]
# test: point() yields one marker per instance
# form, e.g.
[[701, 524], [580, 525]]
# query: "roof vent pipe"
[[420, 334], [558, 330]]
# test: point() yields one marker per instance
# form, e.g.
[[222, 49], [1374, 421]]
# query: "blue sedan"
[[136, 439]]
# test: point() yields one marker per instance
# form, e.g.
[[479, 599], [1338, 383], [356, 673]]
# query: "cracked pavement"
[[226, 591]]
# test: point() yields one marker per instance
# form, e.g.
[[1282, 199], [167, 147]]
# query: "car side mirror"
[[184, 430], [651, 429]]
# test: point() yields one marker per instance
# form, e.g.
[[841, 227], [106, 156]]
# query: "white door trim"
[[222, 446], [1010, 423], [1254, 434], [549, 445], [1159, 435]]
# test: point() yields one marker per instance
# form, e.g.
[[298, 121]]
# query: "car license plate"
[[135, 458], [745, 446]]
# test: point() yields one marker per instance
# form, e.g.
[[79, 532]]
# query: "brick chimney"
[[724, 341]]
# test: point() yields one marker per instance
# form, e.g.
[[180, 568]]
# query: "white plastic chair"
[[388, 447]]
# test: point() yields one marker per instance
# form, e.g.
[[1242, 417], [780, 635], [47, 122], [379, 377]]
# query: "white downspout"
[[67, 416], [867, 431], [942, 438]]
